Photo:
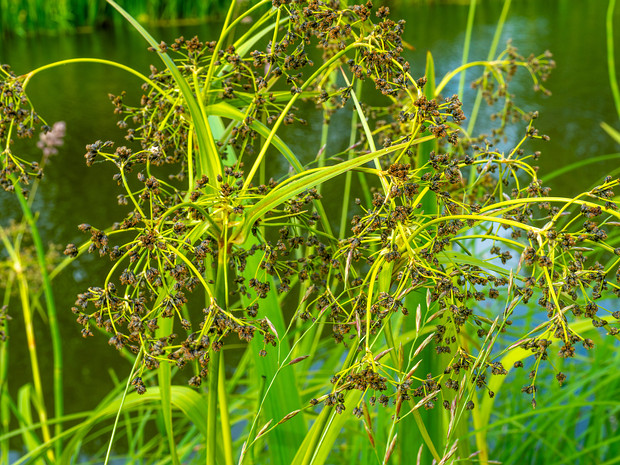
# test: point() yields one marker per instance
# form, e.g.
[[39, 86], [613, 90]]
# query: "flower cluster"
[[17, 119], [204, 216]]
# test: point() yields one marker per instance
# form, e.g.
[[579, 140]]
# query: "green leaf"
[[24, 397], [306, 180], [613, 133], [182, 398], [611, 65], [208, 159], [225, 110], [581, 164], [281, 390], [448, 257], [164, 378]]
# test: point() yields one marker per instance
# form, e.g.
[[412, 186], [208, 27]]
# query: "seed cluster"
[[17, 119], [179, 236], [207, 237]]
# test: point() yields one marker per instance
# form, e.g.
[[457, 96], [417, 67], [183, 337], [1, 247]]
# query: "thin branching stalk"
[[120, 408]]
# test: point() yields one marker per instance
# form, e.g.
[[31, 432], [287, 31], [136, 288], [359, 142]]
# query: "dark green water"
[[574, 30]]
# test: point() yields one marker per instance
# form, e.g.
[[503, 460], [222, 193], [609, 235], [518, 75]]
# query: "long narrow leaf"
[[281, 395], [182, 398], [611, 64], [309, 179], [208, 156]]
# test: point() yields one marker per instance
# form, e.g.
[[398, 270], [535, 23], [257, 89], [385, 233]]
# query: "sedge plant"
[[361, 321]]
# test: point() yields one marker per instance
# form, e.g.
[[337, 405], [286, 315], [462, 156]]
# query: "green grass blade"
[[611, 65], [581, 164], [498, 33], [319, 441], [308, 179], [24, 396], [51, 311], [5, 403], [336, 422], [613, 133], [165, 385], [305, 452], [182, 398], [208, 159], [281, 396], [468, 33]]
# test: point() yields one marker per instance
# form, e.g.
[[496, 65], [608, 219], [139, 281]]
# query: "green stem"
[[165, 386], [492, 50], [477, 218], [368, 132], [224, 417], [285, 110], [212, 409], [325, 130], [34, 361], [51, 313], [468, 33], [4, 385], [347, 180], [461, 69], [120, 407], [611, 66], [226, 29], [215, 384], [114, 64]]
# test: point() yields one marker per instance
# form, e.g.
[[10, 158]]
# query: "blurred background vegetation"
[[27, 17]]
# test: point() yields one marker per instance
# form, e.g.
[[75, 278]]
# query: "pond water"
[[574, 30]]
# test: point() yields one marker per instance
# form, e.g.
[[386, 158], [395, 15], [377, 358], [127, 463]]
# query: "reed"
[[26, 17]]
